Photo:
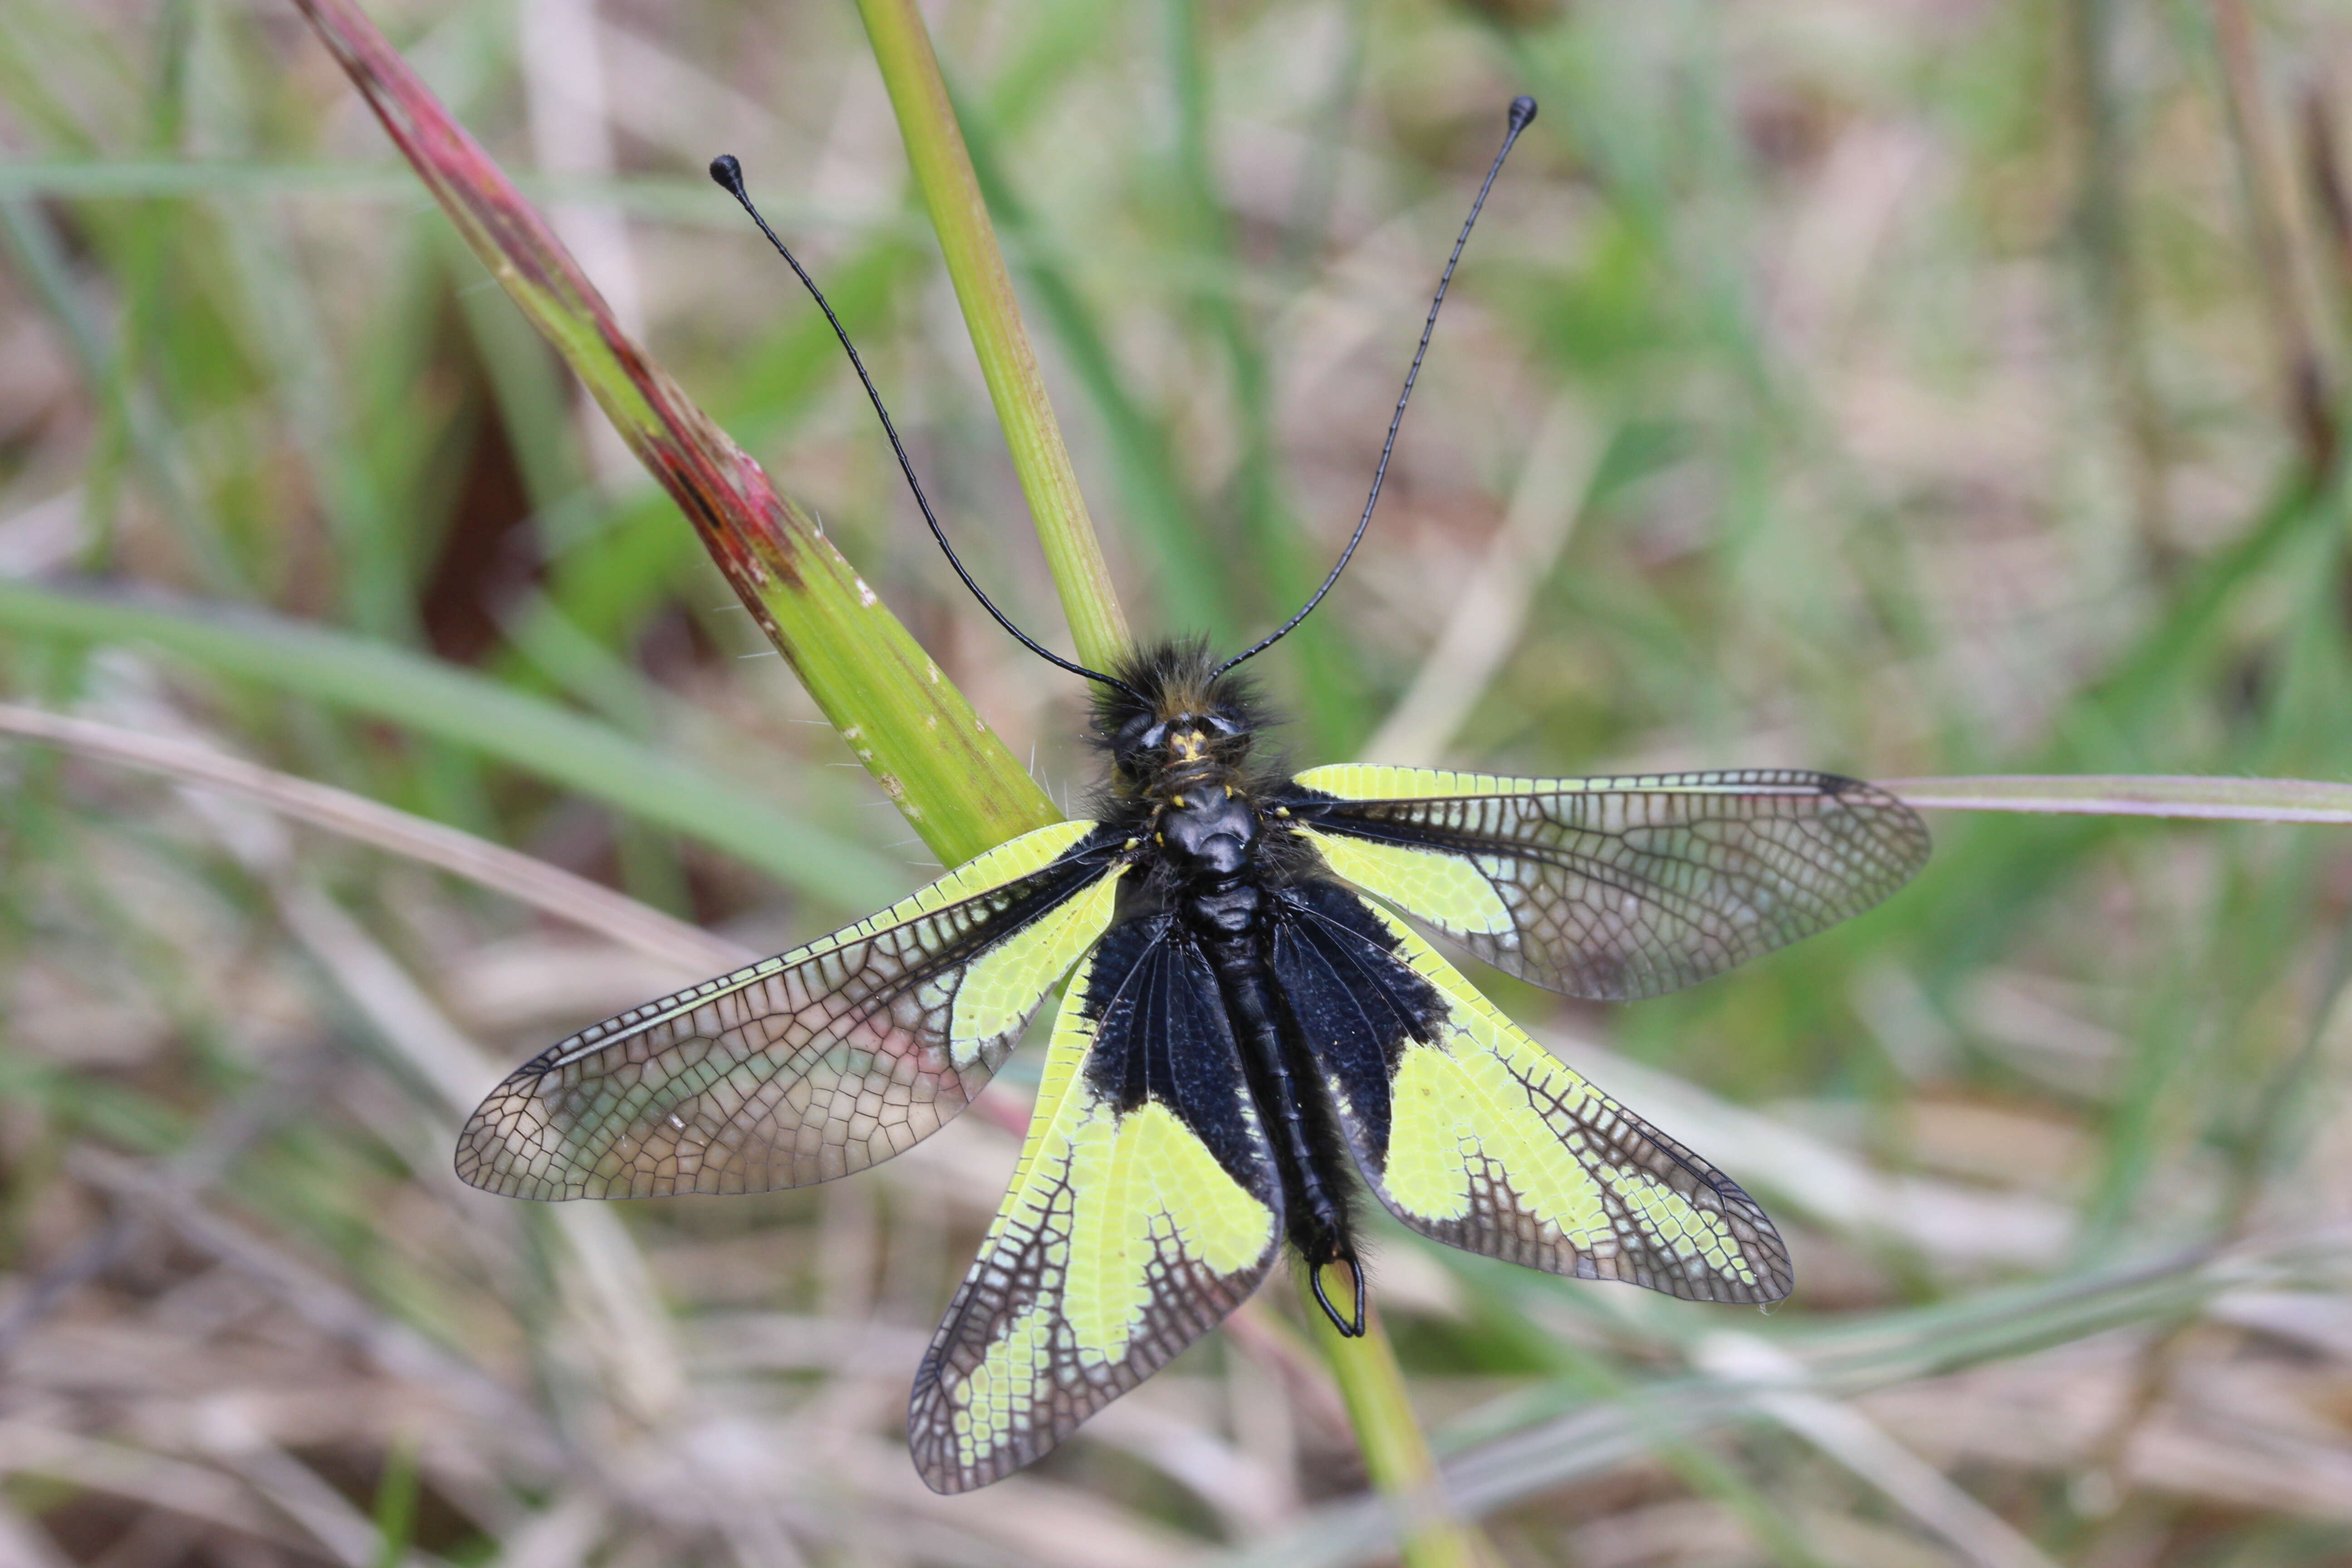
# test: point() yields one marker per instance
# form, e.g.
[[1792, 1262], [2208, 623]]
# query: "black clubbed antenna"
[[1523, 114], [729, 174]]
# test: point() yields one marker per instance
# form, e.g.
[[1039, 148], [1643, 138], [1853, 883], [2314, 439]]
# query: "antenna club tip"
[[727, 171], [1523, 113]]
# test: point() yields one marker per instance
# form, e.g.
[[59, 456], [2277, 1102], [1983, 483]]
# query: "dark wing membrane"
[[1144, 1209], [1612, 889], [812, 1063], [1476, 1136]]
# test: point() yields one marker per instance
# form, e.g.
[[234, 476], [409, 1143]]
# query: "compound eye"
[[1155, 737], [1220, 724]]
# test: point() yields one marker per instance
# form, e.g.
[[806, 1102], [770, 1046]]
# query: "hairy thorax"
[[1181, 736], [1209, 832]]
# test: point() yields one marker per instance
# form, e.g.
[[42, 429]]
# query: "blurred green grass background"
[[1905, 389]]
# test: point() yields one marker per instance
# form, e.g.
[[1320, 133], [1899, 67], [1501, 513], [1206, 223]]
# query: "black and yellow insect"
[[1246, 1035]]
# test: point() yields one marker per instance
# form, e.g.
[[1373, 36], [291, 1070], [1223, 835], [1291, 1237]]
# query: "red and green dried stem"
[[955, 780]]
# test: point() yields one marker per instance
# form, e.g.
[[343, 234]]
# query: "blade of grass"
[[2126, 795], [1332, 706], [618, 918], [127, 405], [956, 783], [1844, 1434], [1192, 591], [1396, 1453], [935, 146], [373, 568], [1579, 1374], [526, 879], [1851, 1357], [396, 1505], [456, 705], [2307, 397], [670, 199]]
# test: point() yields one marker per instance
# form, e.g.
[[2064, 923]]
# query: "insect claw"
[[1348, 1330]]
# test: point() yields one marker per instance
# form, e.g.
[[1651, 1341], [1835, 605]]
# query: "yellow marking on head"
[[1446, 889], [1003, 985], [1177, 801]]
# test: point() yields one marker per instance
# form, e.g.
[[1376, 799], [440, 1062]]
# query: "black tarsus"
[[1522, 115], [729, 174]]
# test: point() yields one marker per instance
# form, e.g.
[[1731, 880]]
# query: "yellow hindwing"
[[1496, 1145], [1120, 1241]]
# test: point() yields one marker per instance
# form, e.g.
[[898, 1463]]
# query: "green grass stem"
[[2217, 799], [1395, 1450], [927, 121]]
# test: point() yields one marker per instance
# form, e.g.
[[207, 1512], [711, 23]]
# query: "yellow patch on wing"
[[809, 1065], [1376, 781], [1451, 890], [1682, 1227], [1624, 887], [1487, 1126], [1001, 1392], [1008, 862], [1001, 985], [1146, 1187], [1070, 1295], [1458, 1116]]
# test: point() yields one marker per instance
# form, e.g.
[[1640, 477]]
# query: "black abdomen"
[[1293, 1106]]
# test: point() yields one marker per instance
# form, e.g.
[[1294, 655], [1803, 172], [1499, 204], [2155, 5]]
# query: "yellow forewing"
[[1447, 890], [1374, 780], [1121, 1240], [1002, 987], [1495, 1145], [1612, 887], [812, 1064]]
